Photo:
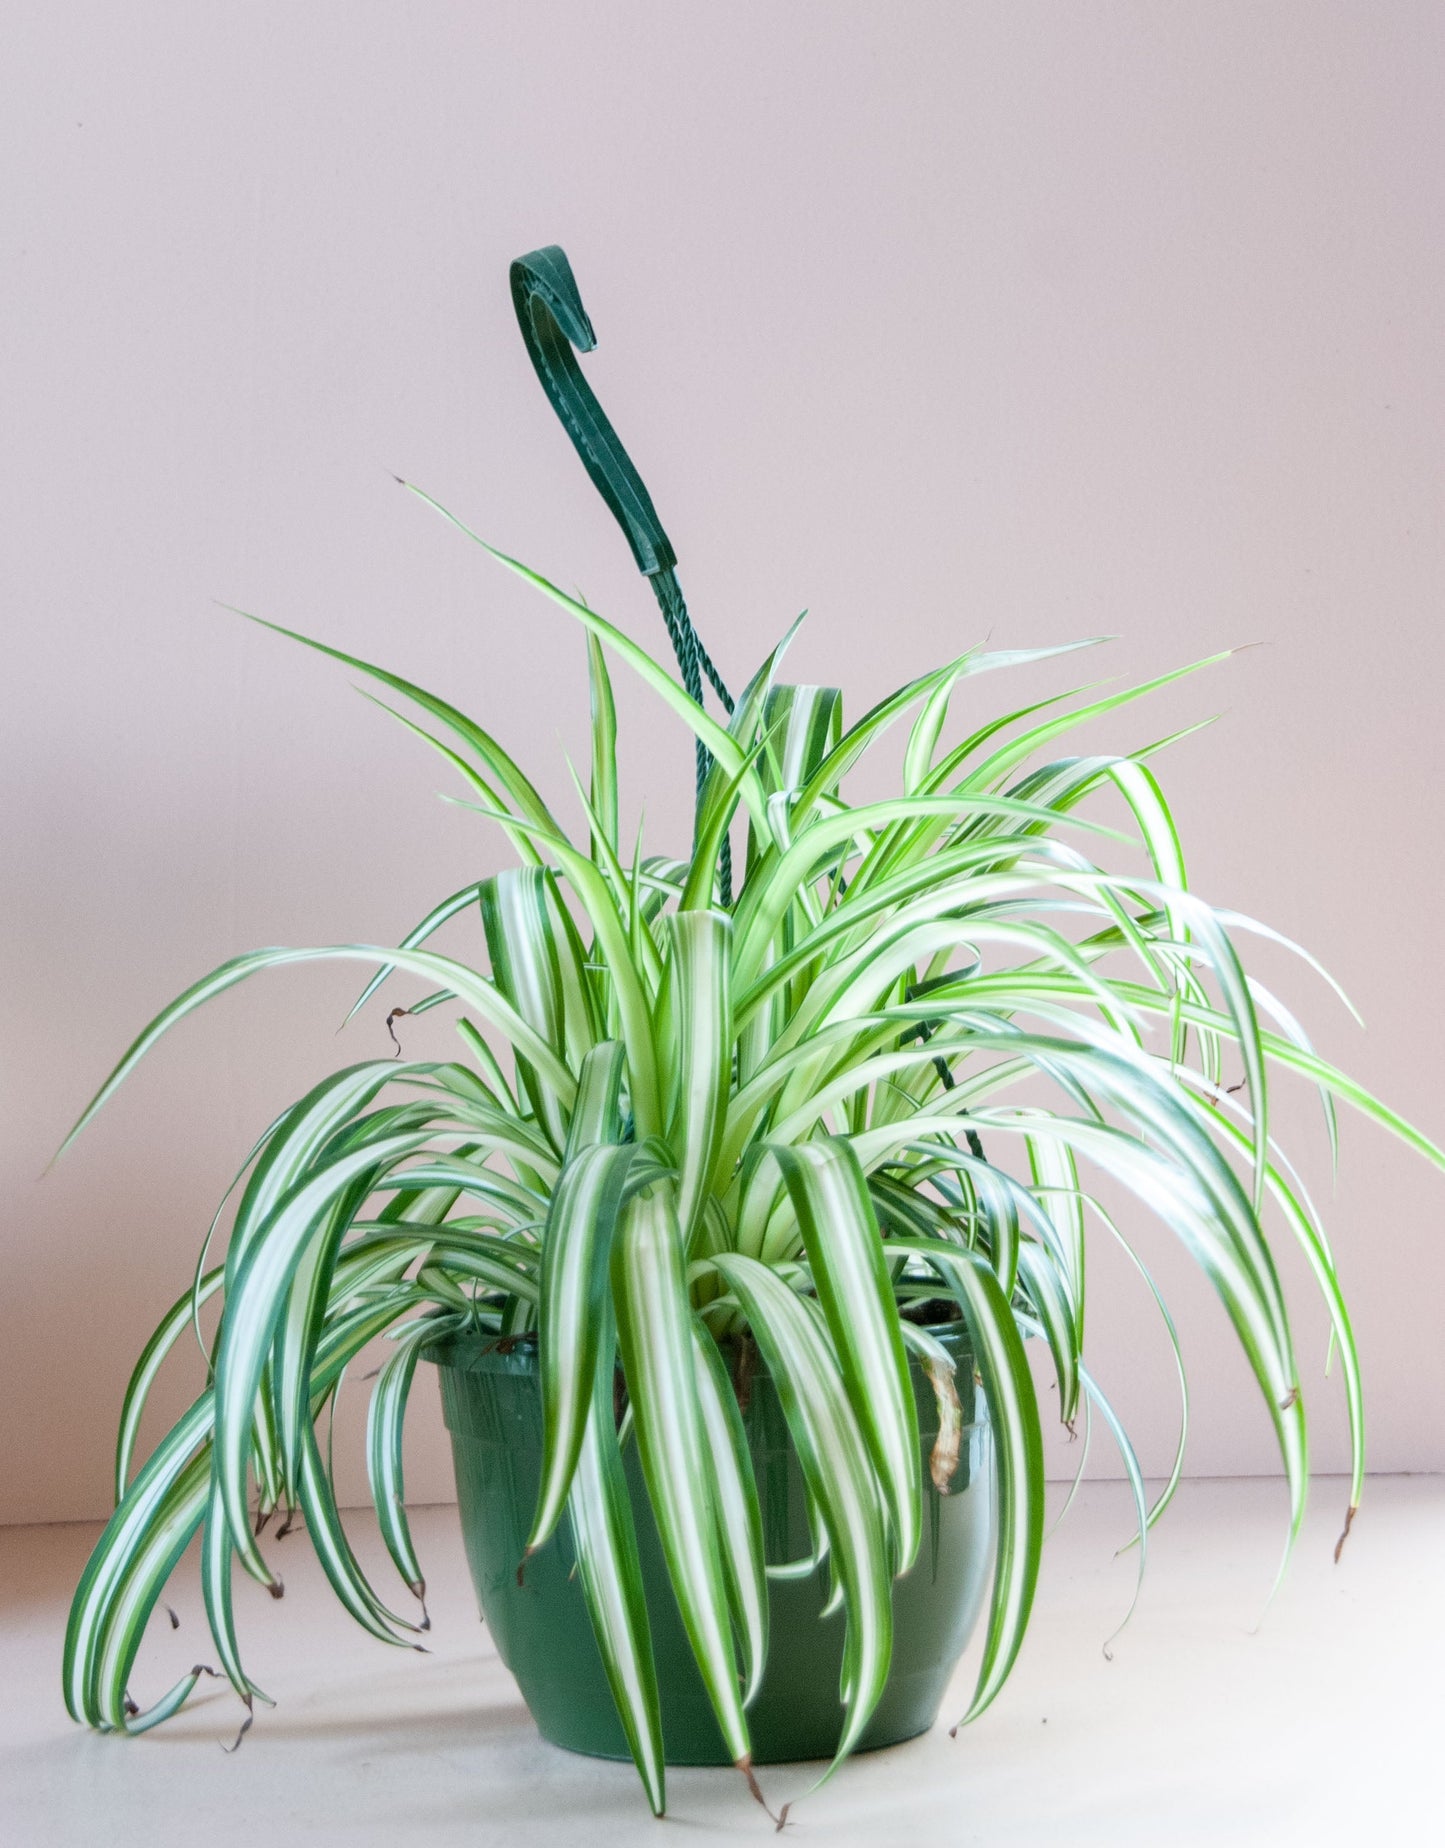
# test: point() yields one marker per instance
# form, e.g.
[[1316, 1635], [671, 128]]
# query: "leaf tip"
[[755, 1790], [246, 1724]]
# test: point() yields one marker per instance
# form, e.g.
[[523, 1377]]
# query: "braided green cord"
[[691, 658]]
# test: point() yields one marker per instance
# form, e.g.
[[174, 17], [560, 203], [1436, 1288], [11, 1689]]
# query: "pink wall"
[[946, 321]]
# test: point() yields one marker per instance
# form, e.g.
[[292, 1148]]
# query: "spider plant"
[[878, 1075]]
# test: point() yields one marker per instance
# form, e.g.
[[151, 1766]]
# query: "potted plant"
[[730, 1224]]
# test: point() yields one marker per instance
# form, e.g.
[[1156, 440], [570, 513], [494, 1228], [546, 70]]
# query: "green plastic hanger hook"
[[553, 322], [555, 328]]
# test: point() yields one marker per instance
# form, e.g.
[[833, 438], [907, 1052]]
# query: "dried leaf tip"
[[745, 1765], [246, 1725], [1350, 1513]]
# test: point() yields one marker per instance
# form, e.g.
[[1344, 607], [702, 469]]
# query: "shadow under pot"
[[491, 1397]]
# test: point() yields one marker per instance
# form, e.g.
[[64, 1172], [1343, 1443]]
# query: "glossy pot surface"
[[492, 1401]]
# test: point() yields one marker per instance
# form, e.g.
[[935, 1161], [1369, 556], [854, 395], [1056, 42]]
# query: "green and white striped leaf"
[[603, 795], [802, 724], [576, 1256], [525, 966], [701, 970], [735, 1500], [386, 1415], [845, 1254], [177, 1318], [654, 1325], [611, 1574]]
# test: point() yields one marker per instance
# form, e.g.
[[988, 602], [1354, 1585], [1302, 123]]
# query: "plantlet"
[[798, 1098]]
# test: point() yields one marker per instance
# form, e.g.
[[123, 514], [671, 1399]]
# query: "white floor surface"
[[1319, 1722]]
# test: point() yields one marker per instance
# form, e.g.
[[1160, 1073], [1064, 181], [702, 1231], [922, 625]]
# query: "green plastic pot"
[[492, 1401]]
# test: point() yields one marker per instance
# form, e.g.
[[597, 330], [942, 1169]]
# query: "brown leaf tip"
[[246, 1725], [745, 1765]]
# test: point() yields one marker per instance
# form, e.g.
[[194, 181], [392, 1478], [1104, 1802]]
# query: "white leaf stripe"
[[576, 1254], [845, 1254], [385, 1416], [654, 1325], [523, 951], [803, 724], [735, 1500], [701, 971]]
